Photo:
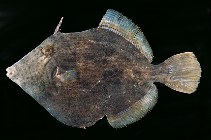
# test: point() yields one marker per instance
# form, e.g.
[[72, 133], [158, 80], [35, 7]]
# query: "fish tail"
[[182, 72]]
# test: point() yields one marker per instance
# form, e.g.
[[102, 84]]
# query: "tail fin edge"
[[184, 72]]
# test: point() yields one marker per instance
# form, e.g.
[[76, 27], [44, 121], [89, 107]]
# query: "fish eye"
[[48, 50]]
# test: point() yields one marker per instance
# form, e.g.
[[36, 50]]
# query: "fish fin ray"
[[137, 111], [123, 26], [184, 72], [58, 26]]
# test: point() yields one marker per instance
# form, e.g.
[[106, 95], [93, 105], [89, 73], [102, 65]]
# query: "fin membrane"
[[184, 72], [137, 110], [123, 26]]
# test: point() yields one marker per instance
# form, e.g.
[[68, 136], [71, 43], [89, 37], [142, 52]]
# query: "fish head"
[[32, 72], [42, 72]]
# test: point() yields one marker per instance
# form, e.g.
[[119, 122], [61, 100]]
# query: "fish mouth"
[[11, 71], [12, 74]]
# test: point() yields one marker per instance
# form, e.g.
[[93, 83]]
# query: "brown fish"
[[81, 77]]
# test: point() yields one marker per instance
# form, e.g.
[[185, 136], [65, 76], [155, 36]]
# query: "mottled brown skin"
[[110, 76], [81, 77]]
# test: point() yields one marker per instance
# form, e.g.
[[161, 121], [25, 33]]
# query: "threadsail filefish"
[[81, 77]]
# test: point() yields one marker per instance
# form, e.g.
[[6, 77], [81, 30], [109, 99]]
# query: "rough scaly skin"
[[110, 75]]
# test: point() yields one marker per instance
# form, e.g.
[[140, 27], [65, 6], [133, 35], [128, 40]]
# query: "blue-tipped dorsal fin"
[[123, 26]]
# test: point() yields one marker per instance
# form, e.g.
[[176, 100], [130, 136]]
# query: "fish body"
[[106, 71]]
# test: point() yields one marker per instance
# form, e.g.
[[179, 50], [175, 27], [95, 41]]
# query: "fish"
[[107, 71]]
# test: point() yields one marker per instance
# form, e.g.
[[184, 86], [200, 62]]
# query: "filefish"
[[81, 77]]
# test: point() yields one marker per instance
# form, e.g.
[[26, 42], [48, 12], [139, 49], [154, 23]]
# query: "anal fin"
[[136, 111]]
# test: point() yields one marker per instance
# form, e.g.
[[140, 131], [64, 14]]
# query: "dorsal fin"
[[123, 26], [58, 26]]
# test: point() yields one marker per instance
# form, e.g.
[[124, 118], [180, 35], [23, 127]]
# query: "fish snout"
[[11, 71]]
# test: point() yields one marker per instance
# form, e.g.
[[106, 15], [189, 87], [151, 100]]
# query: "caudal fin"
[[183, 72]]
